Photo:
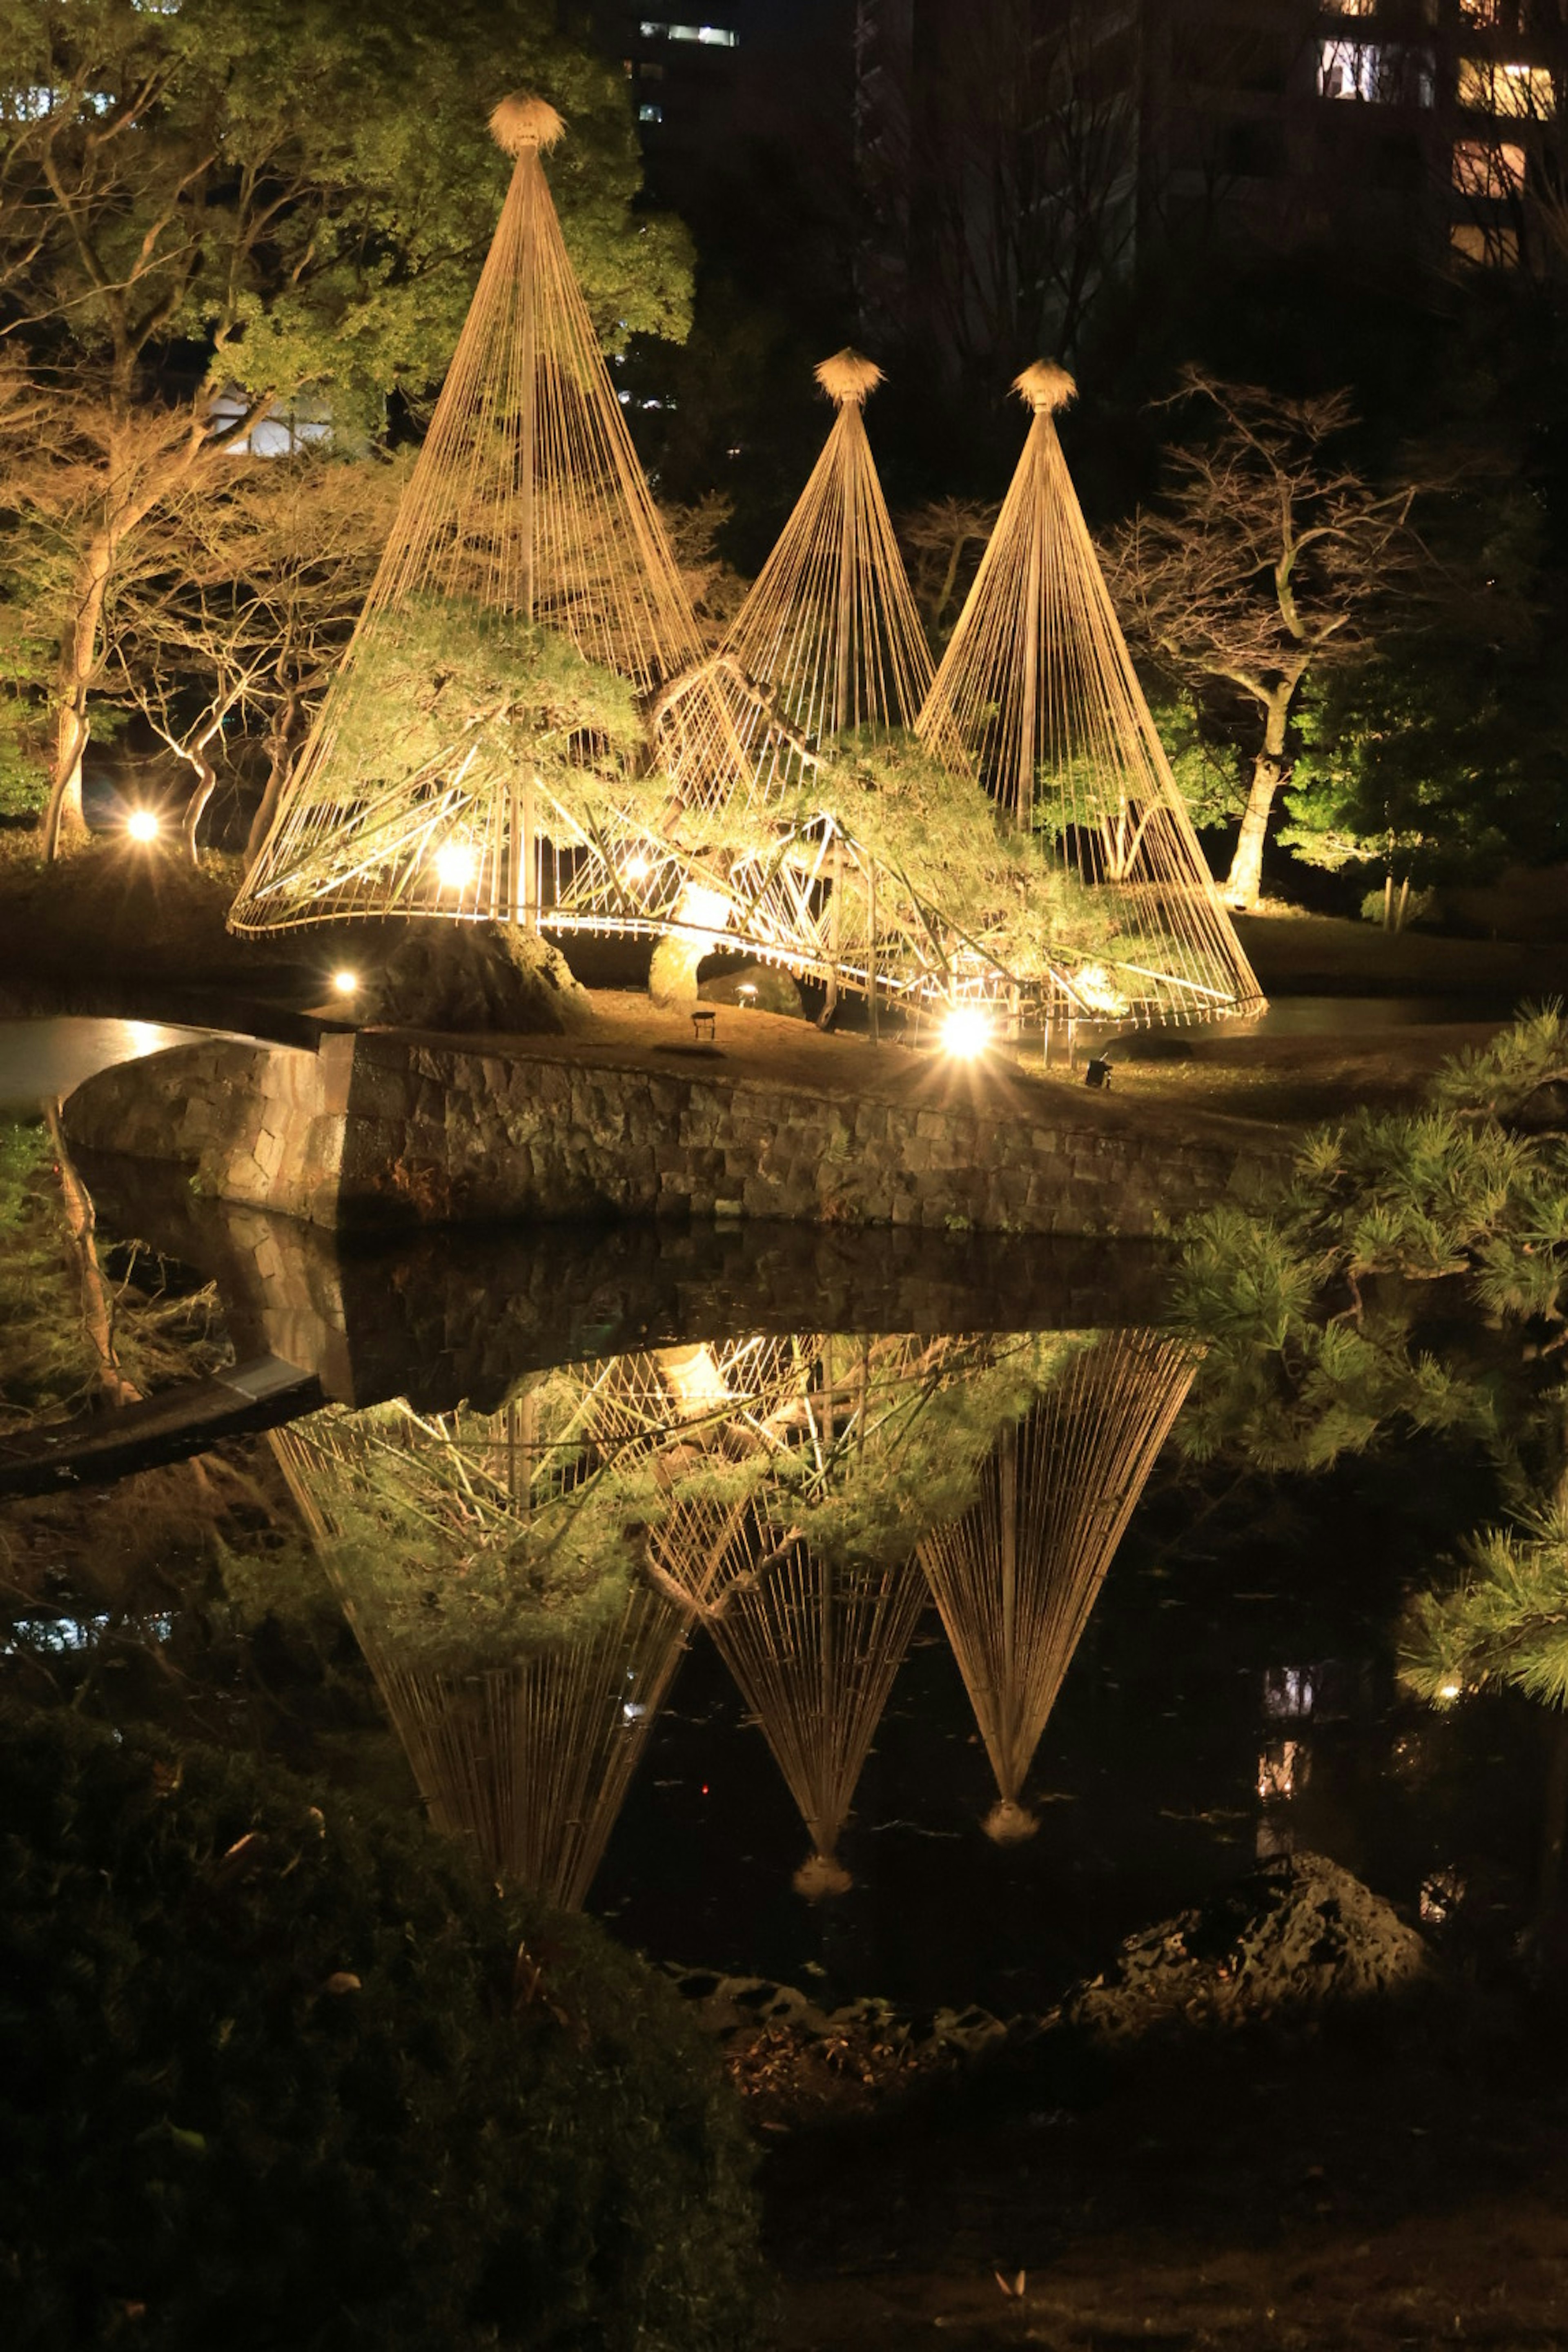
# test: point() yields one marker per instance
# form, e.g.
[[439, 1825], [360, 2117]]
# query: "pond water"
[[844, 1614], [43, 1059]]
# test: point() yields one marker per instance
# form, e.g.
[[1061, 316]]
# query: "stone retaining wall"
[[382, 1128]]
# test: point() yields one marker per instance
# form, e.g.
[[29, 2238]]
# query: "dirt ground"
[[1356, 2191]]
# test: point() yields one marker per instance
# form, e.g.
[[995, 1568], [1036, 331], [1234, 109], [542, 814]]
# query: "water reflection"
[[620, 1516], [524, 1582], [1016, 1578]]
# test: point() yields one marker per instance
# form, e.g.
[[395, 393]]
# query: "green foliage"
[[1411, 1272], [312, 190], [1504, 1622], [911, 1460], [27, 657], [45, 1365], [60, 1307], [1201, 742], [440, 678], [1312, 1305], [1498, 1079], [939, 833], [275, 2070], [1439, 759]]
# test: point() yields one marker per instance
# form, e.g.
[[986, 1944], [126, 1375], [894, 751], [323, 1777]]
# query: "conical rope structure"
[[526, 709], [489, 1565], [1016, 1578], [858, 829], [1039, 684]]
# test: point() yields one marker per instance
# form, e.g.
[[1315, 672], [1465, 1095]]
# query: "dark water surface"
[[675, 1562]]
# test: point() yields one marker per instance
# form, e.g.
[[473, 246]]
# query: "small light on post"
[[965, 1032], [344, 982], [143, 824]]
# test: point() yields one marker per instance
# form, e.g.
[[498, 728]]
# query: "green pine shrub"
[[276, 2072]]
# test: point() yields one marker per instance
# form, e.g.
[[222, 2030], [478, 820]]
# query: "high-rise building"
[[1016, 156], [684, 77]]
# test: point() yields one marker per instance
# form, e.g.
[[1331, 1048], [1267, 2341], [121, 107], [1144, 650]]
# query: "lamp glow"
[[345, 982], [455, 864], [637, 869], [965, 1032], [143, 824], [1448, 1690]]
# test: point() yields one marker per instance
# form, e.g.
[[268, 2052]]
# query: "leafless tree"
[[1025, 176], [1270, 558], [242, 600], [944, 542]]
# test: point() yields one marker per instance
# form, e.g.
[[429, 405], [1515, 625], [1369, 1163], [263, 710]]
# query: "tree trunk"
[[280, 759], [1244, 884], [195, 807]]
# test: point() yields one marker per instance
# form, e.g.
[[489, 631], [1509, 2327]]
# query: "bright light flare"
[[345, 982], [455, 864], [1449, 1691], [637, 868], [143, 824], [965, 1032]]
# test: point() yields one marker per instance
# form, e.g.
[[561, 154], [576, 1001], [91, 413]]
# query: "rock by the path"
[[1293, 1939], [465, 976], [758, 987]]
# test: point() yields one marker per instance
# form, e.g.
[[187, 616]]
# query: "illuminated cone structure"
[[479, 754], [829, 662], [1039, 685], [1016, 1578], [523, 1746]]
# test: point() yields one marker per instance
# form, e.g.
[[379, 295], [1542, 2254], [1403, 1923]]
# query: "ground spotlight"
[[143, 824], [965, 1032], [455, 864]]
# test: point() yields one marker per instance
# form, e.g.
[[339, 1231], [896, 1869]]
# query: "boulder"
[[495, 977], [1291, 1941], [760, 987]]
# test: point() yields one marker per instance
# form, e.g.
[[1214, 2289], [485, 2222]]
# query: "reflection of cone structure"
[[1016, 1578], [527, 504], [810, 1618], [523, 1746], [1040, 685], [531, 1761], [815, 1649]]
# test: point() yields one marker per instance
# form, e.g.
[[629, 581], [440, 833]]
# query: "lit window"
[[1520, 93], [713, 36], [1493, 245], [1378, 73], [1481, 169], [650, 114]]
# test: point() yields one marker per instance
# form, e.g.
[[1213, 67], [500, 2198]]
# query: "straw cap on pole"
[[1046, 386], [522, 120], [849, 376]]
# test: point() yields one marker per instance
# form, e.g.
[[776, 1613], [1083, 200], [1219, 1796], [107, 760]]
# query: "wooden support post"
[[530, 911], [871, 954]]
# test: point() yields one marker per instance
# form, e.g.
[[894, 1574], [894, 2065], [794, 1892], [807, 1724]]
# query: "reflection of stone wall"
[[380, 1129]]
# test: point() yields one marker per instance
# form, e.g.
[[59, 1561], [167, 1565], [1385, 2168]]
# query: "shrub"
[[278, 2072]]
